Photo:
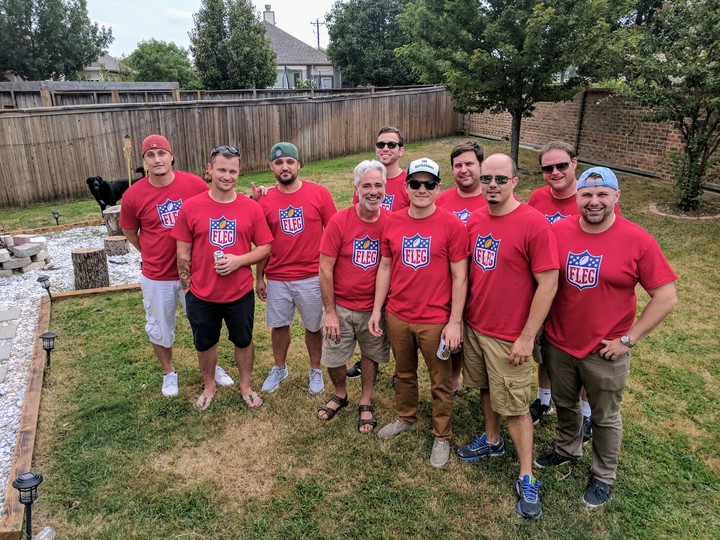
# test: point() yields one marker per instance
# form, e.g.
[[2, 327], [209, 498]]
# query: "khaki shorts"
[[284, 296], [354, 326], [486, 366]]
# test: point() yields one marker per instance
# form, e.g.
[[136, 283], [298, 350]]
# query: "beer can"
[[218, 255]]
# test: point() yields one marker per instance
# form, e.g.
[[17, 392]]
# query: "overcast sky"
[[133, 21]]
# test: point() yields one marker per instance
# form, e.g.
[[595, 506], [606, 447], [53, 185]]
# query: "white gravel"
[[23, 291]]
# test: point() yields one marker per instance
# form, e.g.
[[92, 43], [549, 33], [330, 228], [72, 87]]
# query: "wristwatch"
[[625, 340]]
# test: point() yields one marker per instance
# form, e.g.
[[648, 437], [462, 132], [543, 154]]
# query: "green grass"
[[120, 461]]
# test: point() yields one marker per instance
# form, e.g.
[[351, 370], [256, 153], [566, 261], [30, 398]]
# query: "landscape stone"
[[9, 314], [5, 347], [41, 240], [9, 331], [4, 255], [16, 263], [6, 239], [40, 257], [32, 266], [5, 273], [3, 372], [26, 250], [20, 239]]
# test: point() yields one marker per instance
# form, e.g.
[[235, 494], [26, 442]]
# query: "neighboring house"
[[106, 68], [297, 61]]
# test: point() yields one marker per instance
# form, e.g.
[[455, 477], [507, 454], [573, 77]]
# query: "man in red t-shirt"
[[147, 217], [297, 212], [423, 275], [512, 280], [349, 257], [592, 326], [215, 233], [462, 200]]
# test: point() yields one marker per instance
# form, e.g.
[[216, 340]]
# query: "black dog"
[[109, 192]]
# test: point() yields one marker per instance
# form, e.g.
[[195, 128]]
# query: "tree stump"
[[111, 215], [91, 268], [116, 245]]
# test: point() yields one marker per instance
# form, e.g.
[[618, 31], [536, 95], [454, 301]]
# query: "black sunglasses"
[[499, 179], [220, 149], [429, 184], [559, 166], [392, 145]]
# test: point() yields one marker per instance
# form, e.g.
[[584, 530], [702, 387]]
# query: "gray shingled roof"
[[110, 62], [290, 50]]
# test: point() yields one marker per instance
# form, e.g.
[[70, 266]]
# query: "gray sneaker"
[[316, 383], [222, 378], [440, 453], [170, 385], [274, 378], [394, 428]]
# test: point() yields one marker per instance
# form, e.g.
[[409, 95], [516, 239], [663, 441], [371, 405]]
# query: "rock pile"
[[22, 253]]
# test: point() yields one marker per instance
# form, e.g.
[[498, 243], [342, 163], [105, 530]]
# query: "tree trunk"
[[90, 268], [515, 135], [112, 220], [116, 245]]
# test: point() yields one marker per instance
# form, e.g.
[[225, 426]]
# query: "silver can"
[[218, 255]]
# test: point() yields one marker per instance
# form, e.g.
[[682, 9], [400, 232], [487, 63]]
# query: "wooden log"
[[116, 245], [111, 215], [90, 268]]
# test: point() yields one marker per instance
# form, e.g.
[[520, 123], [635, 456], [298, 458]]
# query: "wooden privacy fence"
[[46, 154]]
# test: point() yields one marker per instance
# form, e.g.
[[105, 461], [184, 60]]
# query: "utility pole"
[[317, 24]]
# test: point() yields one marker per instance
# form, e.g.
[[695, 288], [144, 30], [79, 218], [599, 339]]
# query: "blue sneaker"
[[529, 489], [481, 448]]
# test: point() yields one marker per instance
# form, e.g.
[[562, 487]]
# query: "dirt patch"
[[706, 210]]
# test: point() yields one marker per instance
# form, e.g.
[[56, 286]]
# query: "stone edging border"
[[58, 228], [654, 209]]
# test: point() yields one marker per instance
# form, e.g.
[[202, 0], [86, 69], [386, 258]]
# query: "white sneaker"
[[440, 453], [222, 378], [274, 378], [316, 381], [170, 385]]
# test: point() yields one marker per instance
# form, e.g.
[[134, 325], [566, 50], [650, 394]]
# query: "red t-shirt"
[[596, 290], [462, 207], [555, 209], [296, 221], [355, 246], [228, 227], [421, 251], [505, 252], [154, 210], [396, 198]]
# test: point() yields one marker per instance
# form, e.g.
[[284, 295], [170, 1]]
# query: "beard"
[[287, 181]]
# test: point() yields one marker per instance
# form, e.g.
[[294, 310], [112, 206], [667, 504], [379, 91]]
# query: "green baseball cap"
[[284, 149]]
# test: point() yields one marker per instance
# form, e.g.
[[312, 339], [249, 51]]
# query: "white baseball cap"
[[424, 165]]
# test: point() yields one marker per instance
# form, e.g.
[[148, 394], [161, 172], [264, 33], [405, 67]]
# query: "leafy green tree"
[[505, 56], [230, 47], [363, 37], [674, 69], [48, 39], [155, 60]]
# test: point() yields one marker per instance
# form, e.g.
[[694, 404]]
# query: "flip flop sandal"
[[203, 402], [362, 422], [329, 411], [250, 400]]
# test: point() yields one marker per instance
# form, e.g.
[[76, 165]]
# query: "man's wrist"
[[627, 341]]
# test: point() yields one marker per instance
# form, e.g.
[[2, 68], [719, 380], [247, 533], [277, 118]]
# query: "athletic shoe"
[[597, 493], [316, 384], [170, 385], [553, 459], [274, 378], [354, 371], [538, 410], [222, 378], [529, 489], [587, 429], [481, 448], [440, 453], [394, 428]]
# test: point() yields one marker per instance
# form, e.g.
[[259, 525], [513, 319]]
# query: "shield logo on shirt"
[[416, 251], [365, 252], [557, 216], [582, 269], [222, 232], [486, 251], [463, 215], [388, 202], [291, 220], [168, 212]]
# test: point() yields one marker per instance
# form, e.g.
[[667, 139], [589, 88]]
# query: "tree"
[[155, 60], [502, 56], [363, 37], [230, 47], [48, 39], [674, 70]]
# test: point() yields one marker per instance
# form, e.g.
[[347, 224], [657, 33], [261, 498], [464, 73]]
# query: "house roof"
[[290, 50], [110, 63]]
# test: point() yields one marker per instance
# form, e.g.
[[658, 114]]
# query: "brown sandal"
[[362, 422], [329, 411]]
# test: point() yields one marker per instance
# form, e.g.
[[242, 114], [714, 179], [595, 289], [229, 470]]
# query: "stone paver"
[[5, 347], [9, 314], [9, 331]]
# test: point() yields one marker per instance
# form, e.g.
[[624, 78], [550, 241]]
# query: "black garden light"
[[27, 485], [44, 282], [56, 215], [48, 339]]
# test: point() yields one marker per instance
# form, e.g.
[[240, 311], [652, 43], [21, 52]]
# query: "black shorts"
[[206, 320]]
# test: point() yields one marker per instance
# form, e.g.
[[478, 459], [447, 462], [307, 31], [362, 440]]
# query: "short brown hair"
[[557, 145], [396, 131], [469, 146]]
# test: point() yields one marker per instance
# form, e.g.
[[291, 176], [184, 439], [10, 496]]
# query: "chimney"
[[269, 15]]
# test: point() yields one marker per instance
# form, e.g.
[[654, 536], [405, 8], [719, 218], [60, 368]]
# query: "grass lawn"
[[120, 461]]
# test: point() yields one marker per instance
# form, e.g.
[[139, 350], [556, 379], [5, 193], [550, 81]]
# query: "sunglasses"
[[559, 166], [429, 184], [499, 179], [220, 149], [392, 145]]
